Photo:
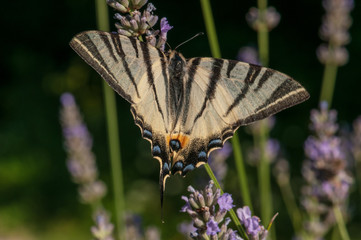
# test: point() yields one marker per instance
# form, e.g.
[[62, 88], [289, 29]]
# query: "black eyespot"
[[187, 169], [174, 145], [178, 166]]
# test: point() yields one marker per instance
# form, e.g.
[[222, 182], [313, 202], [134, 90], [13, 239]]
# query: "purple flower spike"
[[243, 213], [212, 227], [186, 206], [252, 226], [225, 202], [67, 99], [164, 26]]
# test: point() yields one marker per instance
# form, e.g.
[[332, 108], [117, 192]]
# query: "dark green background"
[[37, 198]]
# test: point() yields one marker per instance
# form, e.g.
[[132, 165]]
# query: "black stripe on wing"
[[87, 50], [118, 47], [190, 81], [252, 74], [148, 64], [212, 85]]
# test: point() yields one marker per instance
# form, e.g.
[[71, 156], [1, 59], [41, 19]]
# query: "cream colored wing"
[[222, 95], [136, 71]]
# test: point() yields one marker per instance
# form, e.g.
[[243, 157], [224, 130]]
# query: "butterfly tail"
[[162, 180]]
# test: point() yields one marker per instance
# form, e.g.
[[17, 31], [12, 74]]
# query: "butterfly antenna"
[[197, 35]]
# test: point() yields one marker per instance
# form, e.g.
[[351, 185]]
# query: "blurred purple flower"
[[270, 18], [334, 30], [248, 55], [217, 161], [324, 149], [328, 183], [103, 229], [78, 143]]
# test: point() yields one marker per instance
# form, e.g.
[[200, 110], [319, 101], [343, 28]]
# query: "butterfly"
[[185, 108]]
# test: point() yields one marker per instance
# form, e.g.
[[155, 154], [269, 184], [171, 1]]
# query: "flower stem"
[[328, 83], [113, 138], [231, 212], [262, 33], [211, 29], [340, 223], [264, 176], [292, 208], [213, 42], [241, 170]]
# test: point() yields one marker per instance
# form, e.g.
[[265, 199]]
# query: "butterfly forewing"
[[226, 94], [137, 72]]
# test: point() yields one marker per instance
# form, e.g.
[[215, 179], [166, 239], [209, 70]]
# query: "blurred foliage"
[[37, 198]]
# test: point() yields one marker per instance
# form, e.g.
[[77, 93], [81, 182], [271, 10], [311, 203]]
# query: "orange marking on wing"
[[183, 139]]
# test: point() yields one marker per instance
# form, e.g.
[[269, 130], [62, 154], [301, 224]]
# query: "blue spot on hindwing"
[[178, 166], [165, 169], [156, 151], [189, 167], [215, 143], [202, 156], [147, 134]]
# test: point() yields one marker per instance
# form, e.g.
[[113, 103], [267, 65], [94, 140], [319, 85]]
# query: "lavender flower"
[[78, 143], [217, 161], [206, 215], [271, 151], [252, 224], [328, 183], [212, 227], [225, 202], [134, 23], [334, 29], [270, 18], [134, 230], [103, 229], [249, 55], [356, 139]]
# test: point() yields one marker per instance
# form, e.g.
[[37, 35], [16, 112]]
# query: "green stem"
[[292, 208], [231, 212], [340, 223], [213, 42], [113, 138], [328, 83], [264, 178], [211, 29], [262, 34], [241, 171]]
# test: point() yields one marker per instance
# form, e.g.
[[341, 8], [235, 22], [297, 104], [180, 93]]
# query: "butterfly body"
[[185, 108]]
